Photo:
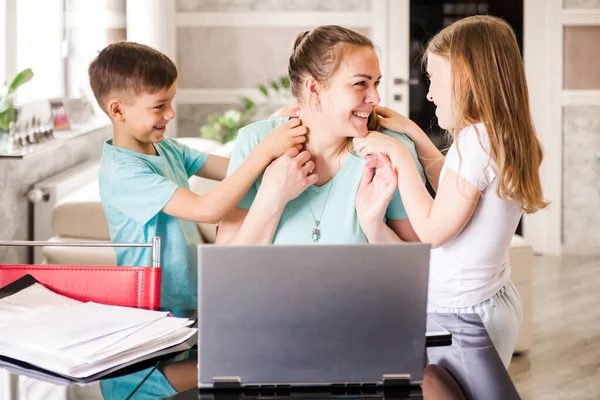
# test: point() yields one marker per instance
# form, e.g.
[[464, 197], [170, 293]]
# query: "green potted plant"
[[224, 127], [7, 92], [279, 90]]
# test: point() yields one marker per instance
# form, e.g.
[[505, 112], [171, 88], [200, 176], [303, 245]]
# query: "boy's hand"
[[291, 110], [284, 137]]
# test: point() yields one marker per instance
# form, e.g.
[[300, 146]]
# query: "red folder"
[[120, 286]]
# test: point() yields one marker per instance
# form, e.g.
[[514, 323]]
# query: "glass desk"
[[469, 368]]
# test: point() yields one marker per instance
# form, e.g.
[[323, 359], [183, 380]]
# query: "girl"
[[488, 177]]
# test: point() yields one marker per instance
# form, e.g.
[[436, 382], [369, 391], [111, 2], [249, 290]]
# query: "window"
[[39, 41], [3, 40]]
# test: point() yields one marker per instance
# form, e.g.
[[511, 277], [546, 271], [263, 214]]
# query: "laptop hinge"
[[396, 380], [227, 382]]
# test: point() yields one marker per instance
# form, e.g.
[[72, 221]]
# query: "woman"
[[324, 194]]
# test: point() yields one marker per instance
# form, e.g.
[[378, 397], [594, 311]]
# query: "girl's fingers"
[[382, 111], [367, 177]]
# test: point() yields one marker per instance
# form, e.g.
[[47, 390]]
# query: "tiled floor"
[[564, 362]]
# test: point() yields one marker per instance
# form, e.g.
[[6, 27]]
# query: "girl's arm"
[[435, 222], [440, 220], [429, 156]]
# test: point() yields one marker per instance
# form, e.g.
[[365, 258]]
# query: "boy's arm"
[[214, 168], [212, 206], [276, 143]]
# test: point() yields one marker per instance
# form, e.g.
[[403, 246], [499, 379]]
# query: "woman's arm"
[[283, 181], [254, 226], [395, 231], [403, 228], [377, 188]]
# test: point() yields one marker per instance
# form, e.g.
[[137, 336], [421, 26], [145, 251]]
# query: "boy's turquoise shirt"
[[134, 188], [333, 204]]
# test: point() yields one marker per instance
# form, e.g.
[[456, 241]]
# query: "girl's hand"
[[291, 110], [376, 142], [376, 189], [394, 121]]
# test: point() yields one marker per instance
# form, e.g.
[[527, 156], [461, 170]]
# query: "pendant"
[[316, 232]]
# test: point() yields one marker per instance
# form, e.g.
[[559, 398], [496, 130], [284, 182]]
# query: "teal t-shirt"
[[134, 188], [333, 204]]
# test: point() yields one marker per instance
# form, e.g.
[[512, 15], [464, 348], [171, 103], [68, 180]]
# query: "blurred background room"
[[232, 58]]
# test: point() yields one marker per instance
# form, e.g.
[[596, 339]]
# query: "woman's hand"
[[291, 110], [287, 177], [395, 121], [376, 189]]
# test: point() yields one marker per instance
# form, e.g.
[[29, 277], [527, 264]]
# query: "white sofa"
[[521, 259], [80, 217]]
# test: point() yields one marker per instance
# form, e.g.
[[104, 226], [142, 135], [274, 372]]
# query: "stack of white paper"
[[78, 339]]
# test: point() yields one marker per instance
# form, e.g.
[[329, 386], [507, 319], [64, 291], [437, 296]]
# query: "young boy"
[[144, 174]]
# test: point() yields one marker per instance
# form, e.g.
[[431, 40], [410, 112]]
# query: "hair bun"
[[299, 39]]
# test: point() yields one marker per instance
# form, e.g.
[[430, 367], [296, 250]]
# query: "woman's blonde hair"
[[489, 86]]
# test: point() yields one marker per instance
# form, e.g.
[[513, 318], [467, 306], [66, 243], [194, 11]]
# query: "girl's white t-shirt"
[[472, 267]]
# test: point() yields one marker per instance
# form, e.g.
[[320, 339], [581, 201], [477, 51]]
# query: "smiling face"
[[351, 93], [440, 90], [147, 115]]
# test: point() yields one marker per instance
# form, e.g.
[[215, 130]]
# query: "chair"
[[137, 287]]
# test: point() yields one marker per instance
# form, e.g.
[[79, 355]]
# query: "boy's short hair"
[[130, 67]]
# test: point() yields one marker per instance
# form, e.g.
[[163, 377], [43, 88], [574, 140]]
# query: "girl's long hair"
[[489, 87]]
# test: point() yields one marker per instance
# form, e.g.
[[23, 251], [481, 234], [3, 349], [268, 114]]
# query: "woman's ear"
[[311, 87], [116, 109]]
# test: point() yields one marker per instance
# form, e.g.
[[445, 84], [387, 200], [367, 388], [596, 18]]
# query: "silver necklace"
[[316, 232]]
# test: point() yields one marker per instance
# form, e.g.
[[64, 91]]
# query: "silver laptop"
[[311, 316]]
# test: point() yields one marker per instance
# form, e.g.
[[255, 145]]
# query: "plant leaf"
[[274, 85], [213, 119], [248, 104], [285, 81], [209, 132], [22, 77], [5, 103], [7, 117], [263, 89]]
